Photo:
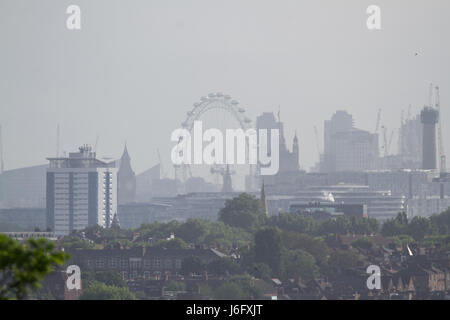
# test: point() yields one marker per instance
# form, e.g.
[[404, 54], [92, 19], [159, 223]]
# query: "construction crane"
[[377, 125], [400, 133], [390, 142], [385, 142], [442, 158], [96, 143]]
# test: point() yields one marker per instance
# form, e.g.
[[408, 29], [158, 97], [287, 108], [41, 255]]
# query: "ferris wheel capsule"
[[227, 96], [203, 98], [211, 95], [234, 102], [241, 110], [219, 94]]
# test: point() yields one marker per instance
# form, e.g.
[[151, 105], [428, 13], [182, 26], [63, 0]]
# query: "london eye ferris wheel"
[[218, 110]]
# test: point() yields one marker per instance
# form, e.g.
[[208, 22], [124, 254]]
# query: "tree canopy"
[[238, 288], [101, 291], [110, 278], [23, 265], [244, 211], [299, 263], [192, 265], [269, 249]]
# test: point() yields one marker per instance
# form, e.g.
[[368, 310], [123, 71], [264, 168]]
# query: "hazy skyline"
[[135, 68]]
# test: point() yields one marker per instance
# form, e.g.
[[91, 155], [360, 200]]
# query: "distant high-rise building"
[[126, 179], [410, 143], [81, 192], [429, 117], [341, 121], [289, 160], [144, 183], [347, 148], [23, 188]]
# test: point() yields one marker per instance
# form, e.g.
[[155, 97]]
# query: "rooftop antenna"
[[430, 96], [57, 140], [442, 164], [390, 142], [377, 127], [1, 151], [409, 113], [401, 131], [377, 124], [96, 144]]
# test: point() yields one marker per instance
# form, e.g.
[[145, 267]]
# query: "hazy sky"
[[136, 67]]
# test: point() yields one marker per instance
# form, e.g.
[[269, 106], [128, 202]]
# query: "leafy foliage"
[[110, 278], [314, 246], [342, 259], [176, 243], [193, 230], [245, 211], [196, 231], [119, 243], [192, 265], [223, 267], [229, 291], [260, 270], [269, 249], [400, 240], [299, 263], [287, 245], [238, 288], [418, 228], [73, 242], [294, 222], [363, 243], [22, 266], [364, 226], [176, 286], [395, 226], [157, 230], [100, 291], [441, 222], [341, 225]]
